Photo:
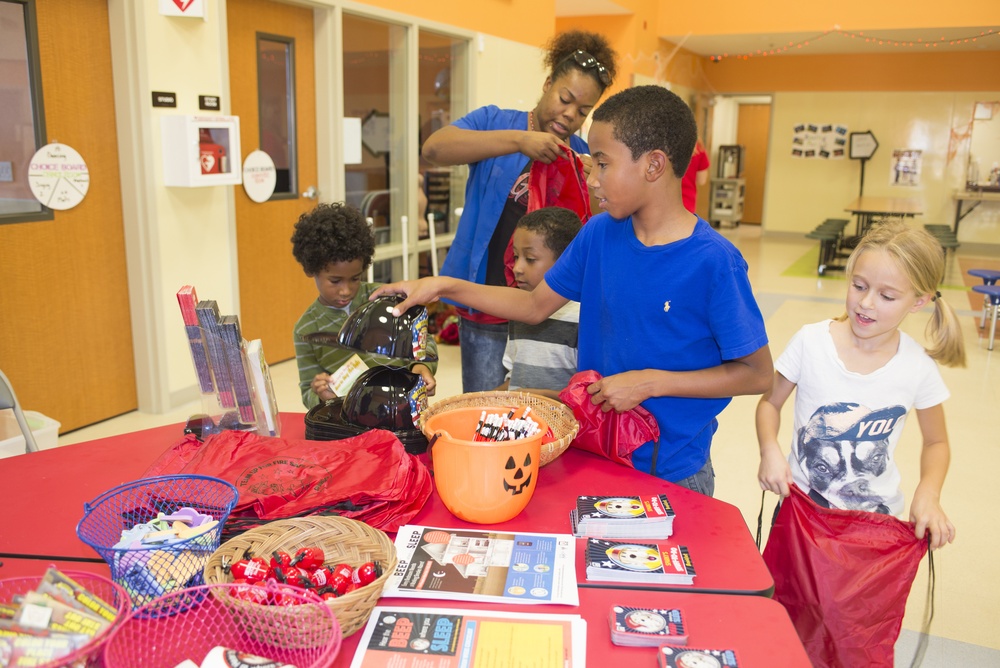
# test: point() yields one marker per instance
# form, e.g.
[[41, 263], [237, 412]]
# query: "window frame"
[[291, 111], [37, 105]]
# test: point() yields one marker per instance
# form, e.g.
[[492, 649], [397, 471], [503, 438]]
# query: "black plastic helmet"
[[374, 329], [386, 398]]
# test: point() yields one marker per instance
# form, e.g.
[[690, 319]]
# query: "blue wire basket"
[[149, 570]]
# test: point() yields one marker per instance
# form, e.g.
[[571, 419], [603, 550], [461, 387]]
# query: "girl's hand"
[[774, 473], [425, 373], [588, 164], [321, 386], [926, 513], [541, 146]]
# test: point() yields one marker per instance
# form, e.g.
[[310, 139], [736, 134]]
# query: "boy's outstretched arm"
[[510, 303], [925, 509], [746, 375], [774, 474]]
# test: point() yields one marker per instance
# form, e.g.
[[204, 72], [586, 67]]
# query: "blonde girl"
[[856, 378]]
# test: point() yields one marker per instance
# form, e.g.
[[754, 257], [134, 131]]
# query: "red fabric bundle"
[[843, 576], [610, 434], [558, 183], [370, 478]]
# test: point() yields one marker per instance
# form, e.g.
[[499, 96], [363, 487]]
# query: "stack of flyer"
[[646, 627], [648, 563], [649, 516], [420, 637], [484, 566]]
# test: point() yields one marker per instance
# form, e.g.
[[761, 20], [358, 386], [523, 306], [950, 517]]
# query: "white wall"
[[505, 73], [800, 194], [173, 236]]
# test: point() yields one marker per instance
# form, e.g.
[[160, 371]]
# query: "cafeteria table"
[[870, 210], [756, 628], [44, 494]]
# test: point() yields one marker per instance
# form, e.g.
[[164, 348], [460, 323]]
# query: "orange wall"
[[737, 17], [950, 71], [526, 21]]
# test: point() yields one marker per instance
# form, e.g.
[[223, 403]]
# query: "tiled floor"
[[968, 578]]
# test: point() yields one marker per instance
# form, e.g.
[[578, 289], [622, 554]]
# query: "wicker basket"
[[342, 540], [557, 415]]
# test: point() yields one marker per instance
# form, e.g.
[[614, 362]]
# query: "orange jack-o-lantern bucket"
[[482, 481]]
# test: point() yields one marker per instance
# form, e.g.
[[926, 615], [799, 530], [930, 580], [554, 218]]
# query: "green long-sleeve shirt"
[[313, 359]]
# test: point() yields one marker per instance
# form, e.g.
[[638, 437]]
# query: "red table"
[[756, 628], [44, 493]]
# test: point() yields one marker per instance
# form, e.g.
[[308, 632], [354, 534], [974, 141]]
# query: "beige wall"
[[801, 193]]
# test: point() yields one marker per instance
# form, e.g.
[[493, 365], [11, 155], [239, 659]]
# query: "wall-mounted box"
[[201, 150]]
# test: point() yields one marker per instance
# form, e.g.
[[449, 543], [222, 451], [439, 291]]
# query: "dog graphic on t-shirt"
[[843, 449]]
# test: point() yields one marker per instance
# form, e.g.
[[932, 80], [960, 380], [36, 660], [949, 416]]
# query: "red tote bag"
[[558, 183], [609, 434], [843, 576]]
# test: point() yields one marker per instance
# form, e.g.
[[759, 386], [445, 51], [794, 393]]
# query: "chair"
[[9, 400], [990, 277], [992, 305]]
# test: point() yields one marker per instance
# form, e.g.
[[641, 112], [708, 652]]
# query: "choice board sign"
[[58, 176], [259, 176]]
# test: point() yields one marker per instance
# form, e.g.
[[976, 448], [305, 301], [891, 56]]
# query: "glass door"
[[402, 83], [375, 92]]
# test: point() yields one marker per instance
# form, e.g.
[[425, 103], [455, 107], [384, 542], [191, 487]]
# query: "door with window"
[[65, 324], [272, 83]]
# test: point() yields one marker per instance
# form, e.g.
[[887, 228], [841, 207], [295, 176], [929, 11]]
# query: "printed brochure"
[[494, 566]]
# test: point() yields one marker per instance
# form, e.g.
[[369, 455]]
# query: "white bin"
[[43, 428]]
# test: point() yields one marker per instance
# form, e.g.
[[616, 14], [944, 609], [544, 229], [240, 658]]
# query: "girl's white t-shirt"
[[847, 424]]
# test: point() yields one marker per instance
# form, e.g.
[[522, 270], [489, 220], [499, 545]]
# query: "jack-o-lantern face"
[[514, 479]]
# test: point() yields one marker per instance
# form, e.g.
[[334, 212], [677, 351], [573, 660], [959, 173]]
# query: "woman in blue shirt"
[[499, 146]]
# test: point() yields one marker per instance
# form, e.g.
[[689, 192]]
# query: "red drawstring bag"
[[370, 478], [612, 434], [558, 183], [843, 576]]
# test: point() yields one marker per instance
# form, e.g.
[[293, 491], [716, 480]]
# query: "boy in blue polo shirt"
[[667, 316]]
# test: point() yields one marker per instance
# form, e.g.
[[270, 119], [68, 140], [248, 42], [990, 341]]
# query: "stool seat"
[[992, 292], [991, 308], [989, 276]]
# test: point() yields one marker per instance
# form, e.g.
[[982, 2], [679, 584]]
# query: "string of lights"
[[859, 35]]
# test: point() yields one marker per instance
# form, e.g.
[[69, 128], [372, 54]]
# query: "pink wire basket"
[[188, 623], [99, 586]]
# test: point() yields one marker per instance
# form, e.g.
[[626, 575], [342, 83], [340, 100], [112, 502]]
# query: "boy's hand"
[[774, 473], [321, 387], [927, 514], [620, 392], [423, 291], [425, 373]]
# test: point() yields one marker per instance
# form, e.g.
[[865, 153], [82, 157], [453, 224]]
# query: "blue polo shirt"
[[682, 306]]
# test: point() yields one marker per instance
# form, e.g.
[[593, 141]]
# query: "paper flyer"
[[400, 637], [470, 565]]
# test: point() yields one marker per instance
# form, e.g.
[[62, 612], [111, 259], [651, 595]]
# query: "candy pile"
[[156, 557], [56, 619], [305, 570], [497, 427]]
